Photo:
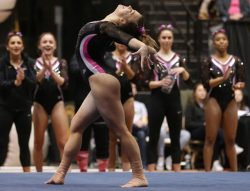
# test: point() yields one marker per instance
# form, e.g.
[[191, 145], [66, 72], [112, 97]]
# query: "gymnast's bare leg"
[[103, 99]]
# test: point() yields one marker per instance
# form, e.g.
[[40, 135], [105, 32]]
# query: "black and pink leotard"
[[94, 39], [48, 93], [212, 68]]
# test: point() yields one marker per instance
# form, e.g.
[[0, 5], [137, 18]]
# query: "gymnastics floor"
[[158, 181]]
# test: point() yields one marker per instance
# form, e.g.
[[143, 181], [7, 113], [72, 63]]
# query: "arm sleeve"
[[30, 80], [190, 121], [222, 9], [110, 30], [240, 77], [64, 72], [149, 75], [184, 65], [205, 74], [135, 66], [5, 84]]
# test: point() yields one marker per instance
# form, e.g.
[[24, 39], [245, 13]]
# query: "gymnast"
[[124, 26]]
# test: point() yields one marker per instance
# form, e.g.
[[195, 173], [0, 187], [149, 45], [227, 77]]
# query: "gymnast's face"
[[220, 42], [238, 95], [47, 44], [120, 47], [166, 39], [127, 13], [200, 92]]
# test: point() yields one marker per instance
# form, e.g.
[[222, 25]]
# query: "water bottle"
[[164, 74], [188, 162], [169, 88]]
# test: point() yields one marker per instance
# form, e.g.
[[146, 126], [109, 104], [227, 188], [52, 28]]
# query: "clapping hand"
[[122, 62], [46, 62], [19, 77], [20, 73]]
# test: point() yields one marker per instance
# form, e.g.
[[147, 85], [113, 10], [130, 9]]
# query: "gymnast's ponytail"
[[137, 30]]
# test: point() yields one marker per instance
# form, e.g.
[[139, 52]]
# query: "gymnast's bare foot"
[[58, 178], [136, 182]]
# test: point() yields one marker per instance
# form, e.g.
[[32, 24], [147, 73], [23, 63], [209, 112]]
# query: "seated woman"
[[195, 122], [242, 108]]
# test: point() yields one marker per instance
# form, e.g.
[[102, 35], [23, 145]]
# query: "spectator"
[[51, 76], [207, 9], [233, 9], [140, 126], [242, 108], [166, 104], [80, 90], [221, 74], [195, 123], [184, 139], [17, 85]]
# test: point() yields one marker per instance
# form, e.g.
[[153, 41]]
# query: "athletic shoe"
[[238, 149], [217, 167], [160, 163], [169, 163]]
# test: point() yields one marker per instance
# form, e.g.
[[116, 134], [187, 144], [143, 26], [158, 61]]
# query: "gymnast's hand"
[[165, 82], [177, 71], [122, 63], [46, 61], [238, 86], [145, 52]]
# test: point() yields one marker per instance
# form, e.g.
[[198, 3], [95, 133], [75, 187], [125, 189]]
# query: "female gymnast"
[[222, 73], [124, 26], [51, 76], [162, 104]]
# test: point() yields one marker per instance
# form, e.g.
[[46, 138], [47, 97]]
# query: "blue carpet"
[[227, 181]]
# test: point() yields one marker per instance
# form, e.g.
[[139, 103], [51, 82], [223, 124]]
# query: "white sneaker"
[[217, 167], [169, 163], [238, 149], [160, 163]]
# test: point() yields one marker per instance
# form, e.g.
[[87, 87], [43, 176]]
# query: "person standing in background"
[[52, 76], [166, 104], [17, 85], [221, 74], [233, 9]]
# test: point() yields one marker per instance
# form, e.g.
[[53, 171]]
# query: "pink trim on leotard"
[[223, 66], [168, 63], [90, 63]]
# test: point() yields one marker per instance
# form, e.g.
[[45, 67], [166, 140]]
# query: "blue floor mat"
[[199, 181]]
